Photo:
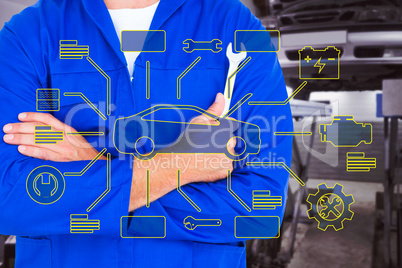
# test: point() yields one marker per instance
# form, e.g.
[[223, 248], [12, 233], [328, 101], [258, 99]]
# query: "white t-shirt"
[[132, 19]]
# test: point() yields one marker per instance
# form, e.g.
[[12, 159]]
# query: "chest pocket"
[[197, 87], [82, 99]]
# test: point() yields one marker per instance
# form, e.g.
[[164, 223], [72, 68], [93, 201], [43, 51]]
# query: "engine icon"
[[344, 131]]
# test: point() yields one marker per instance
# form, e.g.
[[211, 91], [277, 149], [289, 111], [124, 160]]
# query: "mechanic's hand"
[[72, 148], [208, 167], [195, 167]]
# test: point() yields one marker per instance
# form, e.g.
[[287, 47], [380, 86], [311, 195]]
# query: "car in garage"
[[367, 33]]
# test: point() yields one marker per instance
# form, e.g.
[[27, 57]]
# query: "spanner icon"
[[234, 61], [190, 223], [191, 45], [45, 185]]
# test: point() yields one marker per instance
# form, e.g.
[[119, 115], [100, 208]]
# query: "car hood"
[[345, 14]]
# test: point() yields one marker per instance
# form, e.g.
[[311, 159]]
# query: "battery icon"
[[319, 63]]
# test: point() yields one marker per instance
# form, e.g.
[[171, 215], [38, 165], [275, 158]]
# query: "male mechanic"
[[29, 60]]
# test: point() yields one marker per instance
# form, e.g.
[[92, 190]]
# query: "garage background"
[[371, 53]]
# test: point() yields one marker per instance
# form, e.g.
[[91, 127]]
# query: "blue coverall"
[[29, 59]]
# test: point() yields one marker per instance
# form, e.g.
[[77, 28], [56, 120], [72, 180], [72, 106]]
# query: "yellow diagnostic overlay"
[[79, 94], [357, 162], [284, 102], [330, 206], [262, 199], [47, 99], [109, 181], [344, 131], [319, 63], [229, 188], [143, 41], [80, 173], [190, 45], [191, 223], [143, 227], [257, 226], [45, 185], [69, 49], [45, 135], [293, 133], [80, 224], [280, 164], [257, 41], [184, 194], [183, 74], [109, 86]]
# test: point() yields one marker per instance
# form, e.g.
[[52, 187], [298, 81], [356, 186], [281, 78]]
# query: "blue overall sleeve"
[[21, 73], [262, 77]]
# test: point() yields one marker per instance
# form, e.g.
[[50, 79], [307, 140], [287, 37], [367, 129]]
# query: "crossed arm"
[[75, 148]]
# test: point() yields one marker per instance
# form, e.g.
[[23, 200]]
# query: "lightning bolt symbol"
[[320, 65]]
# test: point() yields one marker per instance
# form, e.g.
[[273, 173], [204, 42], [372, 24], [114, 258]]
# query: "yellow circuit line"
[[277, 164], [238, 104], [148, 81], [109, 184], [86, 133], [109, 102], [183, 74], [79, 94], [279, 102], [87, 166], [184, 194], [229, 187], [293, 133], [147, 188]]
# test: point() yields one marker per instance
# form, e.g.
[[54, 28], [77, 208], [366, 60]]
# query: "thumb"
[[217, 107]]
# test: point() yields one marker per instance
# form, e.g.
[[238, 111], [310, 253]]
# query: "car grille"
[[316, 17]]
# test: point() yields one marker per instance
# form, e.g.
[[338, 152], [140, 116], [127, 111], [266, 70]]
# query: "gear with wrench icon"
[[330, 206]]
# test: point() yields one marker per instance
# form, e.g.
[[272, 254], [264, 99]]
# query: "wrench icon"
[[45, 185], [191, 45], [191, 223], [330, 207], [234, 61]]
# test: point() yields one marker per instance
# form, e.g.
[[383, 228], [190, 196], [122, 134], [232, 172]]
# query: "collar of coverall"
[[100, 15]]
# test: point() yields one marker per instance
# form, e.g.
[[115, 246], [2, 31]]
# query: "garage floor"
[[349, 247]]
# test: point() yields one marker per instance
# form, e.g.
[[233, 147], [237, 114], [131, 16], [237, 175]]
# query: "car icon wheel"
[[240, 143], [141, 145]]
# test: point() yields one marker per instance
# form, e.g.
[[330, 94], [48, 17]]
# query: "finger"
[[204, 120], [231, 145], [18, 139], [28, 139], [23, 128], [44, 118], [232, 142], [217, 107], [41, 153]]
